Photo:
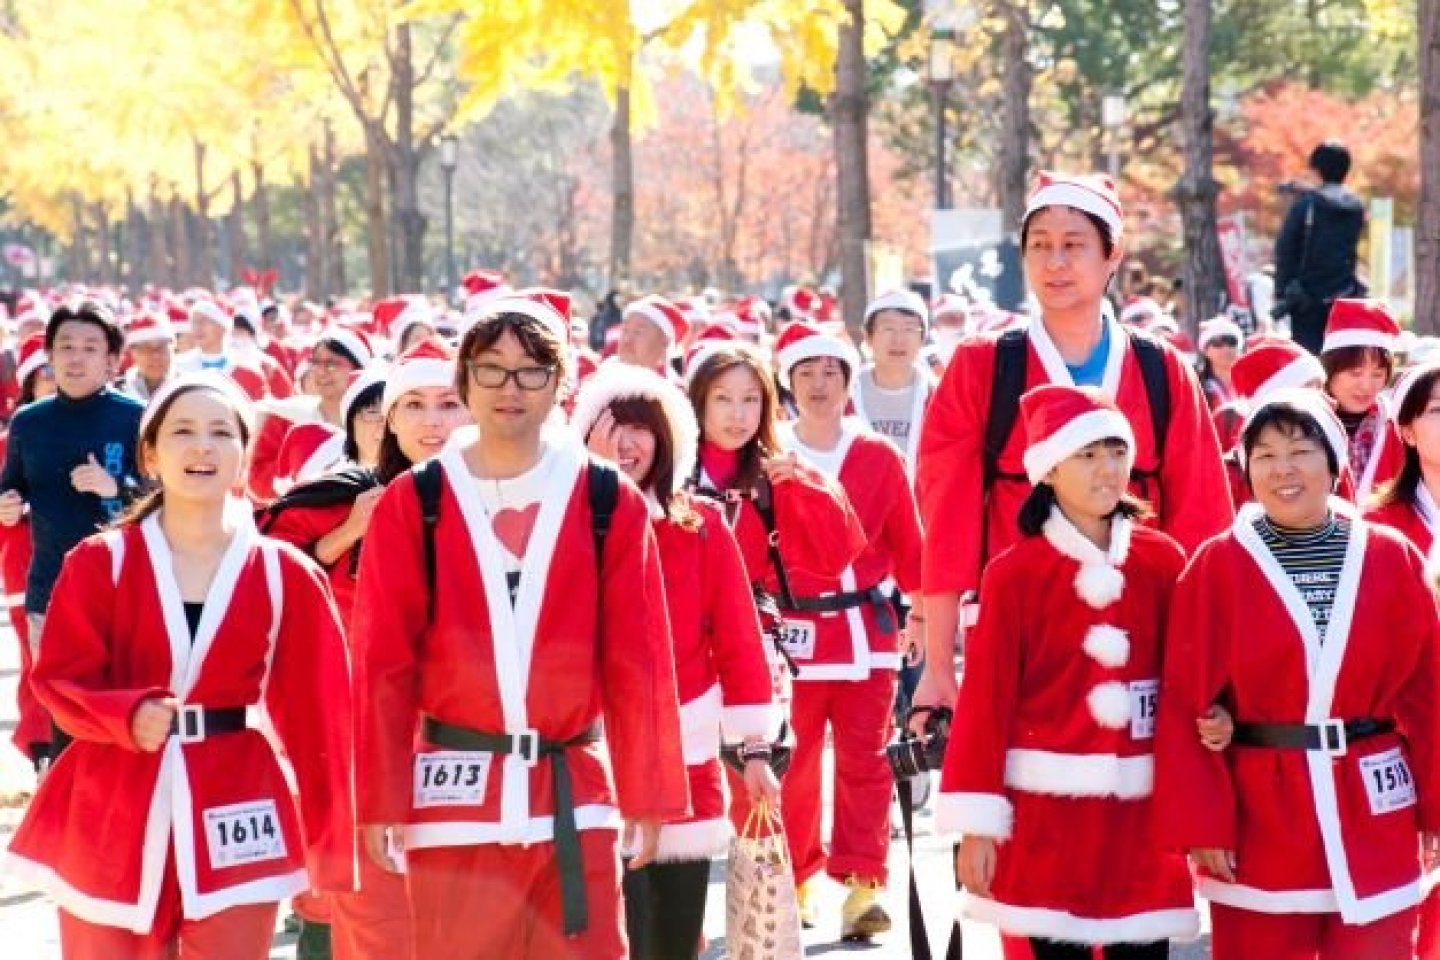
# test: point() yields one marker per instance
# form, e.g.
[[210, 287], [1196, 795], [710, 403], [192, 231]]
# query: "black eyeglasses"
[[1223, 342], [491, 377]]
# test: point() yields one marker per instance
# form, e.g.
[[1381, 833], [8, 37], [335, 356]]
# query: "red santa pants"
[[1249, 935], [373, 923], [858, 715], [494, 901]]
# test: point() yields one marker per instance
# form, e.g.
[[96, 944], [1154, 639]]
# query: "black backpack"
[[602, 483]]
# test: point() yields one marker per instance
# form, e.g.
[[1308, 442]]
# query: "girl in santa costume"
[[850, 650], [639, 420], [1054, 727], [1318, 632], [1359, 360], [181, 628], [490, 642]]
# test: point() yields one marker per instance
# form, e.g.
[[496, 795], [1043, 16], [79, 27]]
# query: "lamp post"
[[941, 68], [1112, 118], [449, 159]]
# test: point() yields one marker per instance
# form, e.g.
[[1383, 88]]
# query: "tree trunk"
[[235, 228], [104, 264], [622, 214], [162, 268], [205, 261], [849, 109], [1427, 227], [376, 227], [180, 243], [330, 226], [264, 251], [315, 245], [79, 252], [135, 251], [1015, 121], [406, 156], [1197, 189]]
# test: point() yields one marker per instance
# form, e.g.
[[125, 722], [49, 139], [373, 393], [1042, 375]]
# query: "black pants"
[[665, 909], [1050, 950], [1307, 326]]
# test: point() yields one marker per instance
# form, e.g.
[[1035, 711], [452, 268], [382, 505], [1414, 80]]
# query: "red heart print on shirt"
[[513, 528]]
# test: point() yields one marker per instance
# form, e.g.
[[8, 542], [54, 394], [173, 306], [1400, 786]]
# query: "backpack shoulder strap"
[[427, 488], [602, 483], [1151, 357], [1006, 386]]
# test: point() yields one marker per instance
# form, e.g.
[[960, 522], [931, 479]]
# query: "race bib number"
[[243, 833], [1144, 698], [451, 778], [1387, 781], [798, 638]]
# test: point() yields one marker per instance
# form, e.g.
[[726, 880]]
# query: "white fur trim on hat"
[[1106, 645], [974, 815], [814, 347], [415, 375], [905, 300], [1309, 401], [1296, 373], [373, 374], [646, 309], [1101, 424], [541, 313], [1407, 383], [1220, 327], [1110, 705], [206, 379], [621, 381], [213, 312], [30, 364], [1358, 338], [1067, 194], [353, 344]]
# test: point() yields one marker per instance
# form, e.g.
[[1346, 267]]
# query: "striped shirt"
[[1312, 560]]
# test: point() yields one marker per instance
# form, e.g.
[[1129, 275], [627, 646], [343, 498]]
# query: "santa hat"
[[207, 380], [350, 343], [308, 452], [251, 380], [1274, 365], [558, 300], [1407, 382], [752, 316], [1062, 420], [1360, 323], [708, 343], [212, 311], [802, 302], [537, 304], [697, 312], [396, 315], [1094, 194], [147, 327], [357, 383], [1309, 401], [1219, 327], [1141, 311], [483, 286], [663, 314], [803, 341], [31, 357], [430, 363], [906, 301], [623, 381]]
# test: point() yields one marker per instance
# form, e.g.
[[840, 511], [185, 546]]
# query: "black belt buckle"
[[1334, 742], [526, 746], [189, 723]]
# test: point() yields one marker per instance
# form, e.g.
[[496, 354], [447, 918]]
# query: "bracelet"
[[757, 752]]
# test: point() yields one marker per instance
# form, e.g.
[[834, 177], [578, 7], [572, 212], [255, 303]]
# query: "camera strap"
[[919, 936]]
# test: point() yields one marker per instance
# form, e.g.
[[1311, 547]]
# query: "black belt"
[[193, 724], [1332, 737], [836, 602], [532, 747]]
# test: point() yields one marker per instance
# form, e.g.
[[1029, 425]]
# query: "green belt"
[[532, 747]]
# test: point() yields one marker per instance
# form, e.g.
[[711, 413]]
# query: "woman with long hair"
[[1359, 360], [1408, 502]]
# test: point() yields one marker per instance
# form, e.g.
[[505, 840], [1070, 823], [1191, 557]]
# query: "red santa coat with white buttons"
[[571, 650], [1053, 734], [1303, 825], [722, 673], [97, 833], [848, 645]]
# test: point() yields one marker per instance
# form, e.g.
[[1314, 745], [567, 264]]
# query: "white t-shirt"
[[512, 506]]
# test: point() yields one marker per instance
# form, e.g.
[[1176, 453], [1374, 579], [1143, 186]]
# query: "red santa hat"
[[1093, 193], [623, 381], [1406, 385], [308, 452], [1141, 311], [1061, 420], [1360, 323], [206, 380], [1308, 401], [148, 326], [752, 316], [906, 301], [350, 342], [396, 315], [558, 300], [708, 343], [802, 302], [663, 314], [210, 310], [430, 363], [1274, 365], [251, 380], [31, 357], [1219, 327], [538, 304], [804, 341], [483, 286]]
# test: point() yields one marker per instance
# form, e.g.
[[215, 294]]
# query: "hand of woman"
[[1216, 728], [761, 785], [1218, 863], [937, 688], [1430, 850], [150, 724], [642, 836], [781, 467], [975, 864], [602, 440], [363, 507], [380, 839]]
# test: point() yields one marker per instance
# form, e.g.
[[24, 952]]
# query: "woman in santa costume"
[[1407, 503], [640, 421], [850, 648], [1221, 343], [1267, 367], [1072, 241], [182, 629], [490, 642], [1054, 727], [1318, 632], [1359, 360]]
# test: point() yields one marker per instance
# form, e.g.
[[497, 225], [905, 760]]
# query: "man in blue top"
[[71, 459]]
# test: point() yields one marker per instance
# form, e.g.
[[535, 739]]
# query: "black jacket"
[[1328, 269]]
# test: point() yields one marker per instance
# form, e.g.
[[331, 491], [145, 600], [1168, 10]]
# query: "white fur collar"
[[1099, 581]]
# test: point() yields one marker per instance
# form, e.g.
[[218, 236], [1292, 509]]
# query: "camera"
[[911, 754]]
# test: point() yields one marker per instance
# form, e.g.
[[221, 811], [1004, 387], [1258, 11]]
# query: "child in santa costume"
[[1359, 360], [640, 421], [481, 750], [847, 638], [1318, 632], [168, 826], [1050, 764]]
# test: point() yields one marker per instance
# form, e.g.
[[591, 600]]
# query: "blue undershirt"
[[1091, 373]]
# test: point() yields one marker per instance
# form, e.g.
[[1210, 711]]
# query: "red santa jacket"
[[1312, 832], [1386, 459], [97, 833], [848, 645], [308, 452], [1411, 519], [16, 549], [570, 650], [303, 527], [277, 419], [1189, 499]]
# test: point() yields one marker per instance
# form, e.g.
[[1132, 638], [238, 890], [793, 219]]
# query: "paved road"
[[28, 928]]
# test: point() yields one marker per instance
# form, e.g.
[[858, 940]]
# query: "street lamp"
[[449, 159], [941, 69], [1112, 117]]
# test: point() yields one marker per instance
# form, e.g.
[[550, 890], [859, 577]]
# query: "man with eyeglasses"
[[487, 621], [891, 393], [150, 338]]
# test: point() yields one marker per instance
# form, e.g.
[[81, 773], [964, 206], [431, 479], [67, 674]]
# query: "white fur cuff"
[[974, 815], [749, 720]]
